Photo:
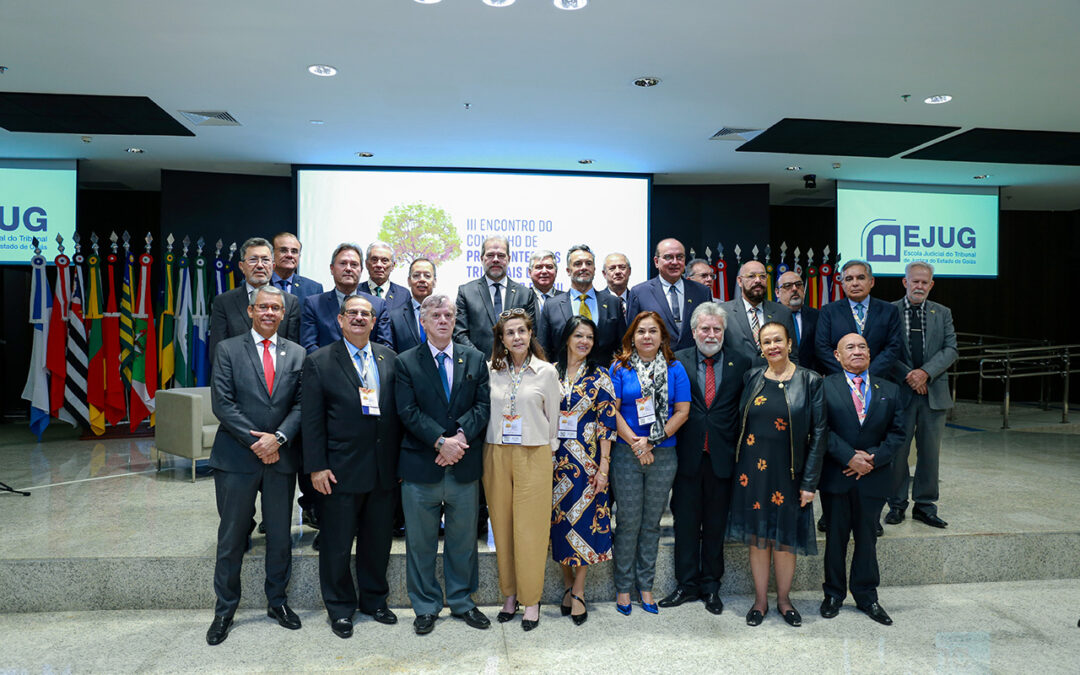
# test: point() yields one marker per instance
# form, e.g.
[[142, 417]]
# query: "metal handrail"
[[973, 347], [1007, 364]]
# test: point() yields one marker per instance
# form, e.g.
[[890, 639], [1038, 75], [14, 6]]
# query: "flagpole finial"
[[217, 248], [169, 241], [59, 243], [708, 254], [810, 257], [149, 238], [768, 253], [127, 241], [93, 242], [200, 242], [797, 255], [232, 250], [692, 254], [37, 246], [76, 238], [754, 251], [187, 243], [719, 251], [113, 238]]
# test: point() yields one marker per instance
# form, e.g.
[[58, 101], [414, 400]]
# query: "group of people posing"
[[547, 408]]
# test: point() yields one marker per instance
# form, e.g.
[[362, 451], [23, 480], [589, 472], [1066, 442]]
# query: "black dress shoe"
[[821, 523], [342, 627], [424, 623], [754, 617], [830, 606], [566, 609], [219, 630], [713, 603], [791, 617], [579, 619], [315, 542], [930, 519], [877, 613], [309, 517], [262, 528], [527, 624], [878, 529], [383, 615], [474, 618], [678, 597], [399, 532], [503, 617], [895, 516], [285, 616]]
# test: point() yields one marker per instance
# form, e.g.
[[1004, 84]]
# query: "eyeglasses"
[[253, 261], [792, 284], [265, 307], [672, 256], [755, 277], [353, 313], [515, 311]]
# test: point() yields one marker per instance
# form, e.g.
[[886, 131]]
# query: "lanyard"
[[567, 384], [857, 390], [515, 381]]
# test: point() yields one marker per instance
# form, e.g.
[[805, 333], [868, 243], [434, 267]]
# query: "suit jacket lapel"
[[255, 355], [412, 318], [385, 392], [485, 298], [689, 364], [744, 323], [341, 355], [843, 390], [669, 318], [459, 372]]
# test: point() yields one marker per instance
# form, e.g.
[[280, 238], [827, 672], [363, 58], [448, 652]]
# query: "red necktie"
[[856, 396], [268, 367], [710, 391]]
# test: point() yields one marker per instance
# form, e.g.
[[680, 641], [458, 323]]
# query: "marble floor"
[[1006, 627]]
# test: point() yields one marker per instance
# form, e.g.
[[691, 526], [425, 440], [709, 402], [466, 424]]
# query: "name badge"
[[369, 401], [511, 430], [568, 424], [646, 413]]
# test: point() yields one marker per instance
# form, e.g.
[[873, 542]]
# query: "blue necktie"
[[423, 333], [284, 285], [673, 295], [798, 333], [496, 301], [443, 375]]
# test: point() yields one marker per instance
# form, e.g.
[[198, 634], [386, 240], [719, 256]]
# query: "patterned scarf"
[[653, 379]]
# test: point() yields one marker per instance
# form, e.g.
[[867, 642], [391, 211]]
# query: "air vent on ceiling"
[[210, 118], [734, 134]]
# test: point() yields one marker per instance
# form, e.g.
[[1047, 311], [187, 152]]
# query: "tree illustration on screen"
[[420, 231]]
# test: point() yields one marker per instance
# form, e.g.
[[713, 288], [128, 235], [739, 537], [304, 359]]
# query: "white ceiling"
[[550, 87]]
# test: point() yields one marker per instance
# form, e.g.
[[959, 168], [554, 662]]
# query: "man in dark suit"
[[351, 440], [380, 263], [444, 403], [929, 348], [542, 271], [319, 324], [405, 319], [256, 397], [229, 316], [669, 295], [748, 312], [583, 300], [701, 493], [876, 320], [701, 271], [479, 302], [866, 429], [286, 263], [791, 292], [616, 273]]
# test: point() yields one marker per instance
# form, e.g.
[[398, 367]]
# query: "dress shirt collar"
[[353, 349], [291, 279], [667, 286], [435, 351], [865, 302], [259, 340], [747, 306]]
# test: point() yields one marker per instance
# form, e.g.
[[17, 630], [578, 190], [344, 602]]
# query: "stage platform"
[[104, 529]]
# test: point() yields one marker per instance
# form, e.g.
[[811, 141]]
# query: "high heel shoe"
[[623, 609], [527, 625], [503, 617], [566, 609], [579, 618]]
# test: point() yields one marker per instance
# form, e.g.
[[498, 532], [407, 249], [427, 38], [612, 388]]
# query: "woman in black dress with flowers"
[[777, 465]]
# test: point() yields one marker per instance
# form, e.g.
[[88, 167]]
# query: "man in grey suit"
[[542, 273], [444, 403], [255, 392], [600, 307], [479, 302], [750, 311], [229, 316], [380, 263], [929, 348]]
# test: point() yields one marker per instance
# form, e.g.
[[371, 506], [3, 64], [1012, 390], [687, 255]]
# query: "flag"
[[95, 352], [221, 274], [837, 292], [75, 384], [825, 274], [127, 324], [144, 365], [56, 355], [721, 291], [200, 319], [37, 379], [770, 281], [115, 403], [812, 288], [183, 326], [166, 358]]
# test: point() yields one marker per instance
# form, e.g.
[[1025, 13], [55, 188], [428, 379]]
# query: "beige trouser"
[[517, 482]]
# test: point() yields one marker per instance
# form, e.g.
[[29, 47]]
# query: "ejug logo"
[[34, 219], [881, 243]]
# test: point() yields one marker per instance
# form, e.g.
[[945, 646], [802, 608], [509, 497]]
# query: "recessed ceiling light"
[[981, 176], [365, 155], [136, 151], [585, 161], [322, 70], [429, 2], [498, 3], [317, 122], [793, 168], [571, 4], [646, 81], [936, 100]]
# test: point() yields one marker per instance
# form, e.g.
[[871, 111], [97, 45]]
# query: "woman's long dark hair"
[[562, 353], [499, 358], [623, 355]]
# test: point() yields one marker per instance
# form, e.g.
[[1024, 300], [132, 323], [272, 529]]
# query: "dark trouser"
[[700, 505], [309, 496], [424, 504], [236, 494], [926, 426], [848, 514], [367, 518]]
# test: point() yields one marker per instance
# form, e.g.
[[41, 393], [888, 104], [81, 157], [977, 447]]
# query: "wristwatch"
[[439, 443], [280, 438]]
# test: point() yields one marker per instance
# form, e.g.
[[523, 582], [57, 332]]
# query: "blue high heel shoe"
[[623, 609], [650, 607]]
